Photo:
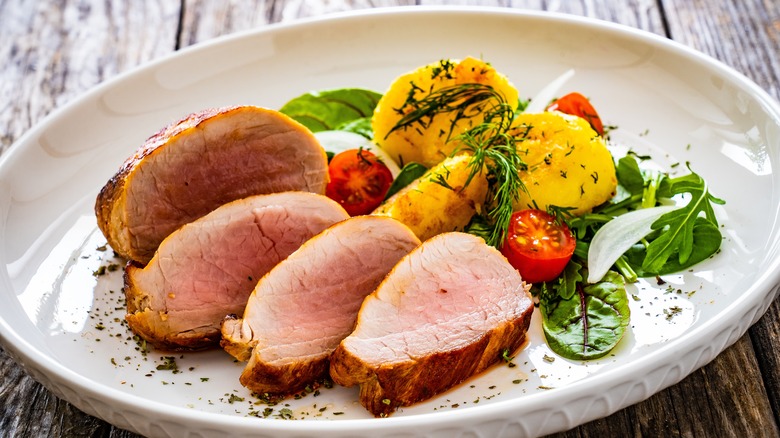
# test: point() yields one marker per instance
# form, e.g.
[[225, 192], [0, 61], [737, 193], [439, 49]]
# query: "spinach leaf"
[[409, 173], [360, 126], [327, 110], [629, 175], [591, 322]]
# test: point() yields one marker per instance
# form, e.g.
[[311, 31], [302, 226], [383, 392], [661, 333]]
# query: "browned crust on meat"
[[385, 388], [109, 204], [146, 322], [113, 206], [283, 380], [236, 344]]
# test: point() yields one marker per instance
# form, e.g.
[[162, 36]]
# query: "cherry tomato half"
[[358, 181], [537, 245], [578, 105]]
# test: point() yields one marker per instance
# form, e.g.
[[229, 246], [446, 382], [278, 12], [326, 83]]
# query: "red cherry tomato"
[[578, 105], [537, 245], [358, 181]]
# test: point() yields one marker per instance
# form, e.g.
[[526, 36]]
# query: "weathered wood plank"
[[742, 34], [641, 14], [53, 52], [746, 36], [204, 19], [765, 336]]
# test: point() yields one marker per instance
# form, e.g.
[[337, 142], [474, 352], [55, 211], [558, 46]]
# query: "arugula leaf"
[[678, 225], [409, 173], [707, 238], [590, 323], [327, 110], [678, 239]]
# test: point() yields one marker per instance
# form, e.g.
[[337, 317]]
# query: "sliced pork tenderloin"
[[303, 308], [208, 268], [446, 312], [199, 163]]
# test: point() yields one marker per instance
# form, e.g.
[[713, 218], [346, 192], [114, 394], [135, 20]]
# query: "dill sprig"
[[492, 147], [465, 100]]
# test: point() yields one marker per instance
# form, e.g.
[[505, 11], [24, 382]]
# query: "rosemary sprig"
[[490, 144]]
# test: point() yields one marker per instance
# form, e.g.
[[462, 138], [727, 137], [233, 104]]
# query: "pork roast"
[[199, 163], [208, 268], [446, 312], [303, 308]]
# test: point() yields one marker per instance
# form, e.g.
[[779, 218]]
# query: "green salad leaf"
[[360, 126], [678, 237], [629, 175], [584, 322], [706, 237], [656, 225], [409, 173], [676, 240], [332, 109]]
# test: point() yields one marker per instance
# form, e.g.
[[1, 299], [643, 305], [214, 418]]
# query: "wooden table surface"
[[55, 50]]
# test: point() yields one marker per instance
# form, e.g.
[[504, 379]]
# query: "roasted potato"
[[569, 165], [438, 202], [431, 140]]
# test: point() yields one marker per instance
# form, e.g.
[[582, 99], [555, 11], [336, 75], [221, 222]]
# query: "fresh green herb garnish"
[[464, 100], [507, 358], [169, 364], [492, 148]]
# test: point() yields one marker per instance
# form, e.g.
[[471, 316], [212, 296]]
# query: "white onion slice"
[[340, 141], [617, 236]]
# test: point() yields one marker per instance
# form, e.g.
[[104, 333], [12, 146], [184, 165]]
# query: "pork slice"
[[303, 308], [208, 268], [446, 312], [199, 163]]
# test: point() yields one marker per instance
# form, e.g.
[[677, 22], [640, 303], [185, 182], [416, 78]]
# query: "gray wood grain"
[[742, 34], [55, 50]]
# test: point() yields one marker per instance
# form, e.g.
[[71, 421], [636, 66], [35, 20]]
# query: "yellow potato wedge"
[[430, 208], [432, 139], [569, 165]]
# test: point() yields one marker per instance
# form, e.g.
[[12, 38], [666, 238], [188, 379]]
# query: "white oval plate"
[[64, 324]]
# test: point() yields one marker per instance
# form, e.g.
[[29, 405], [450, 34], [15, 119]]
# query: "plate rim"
[[765, 287]]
